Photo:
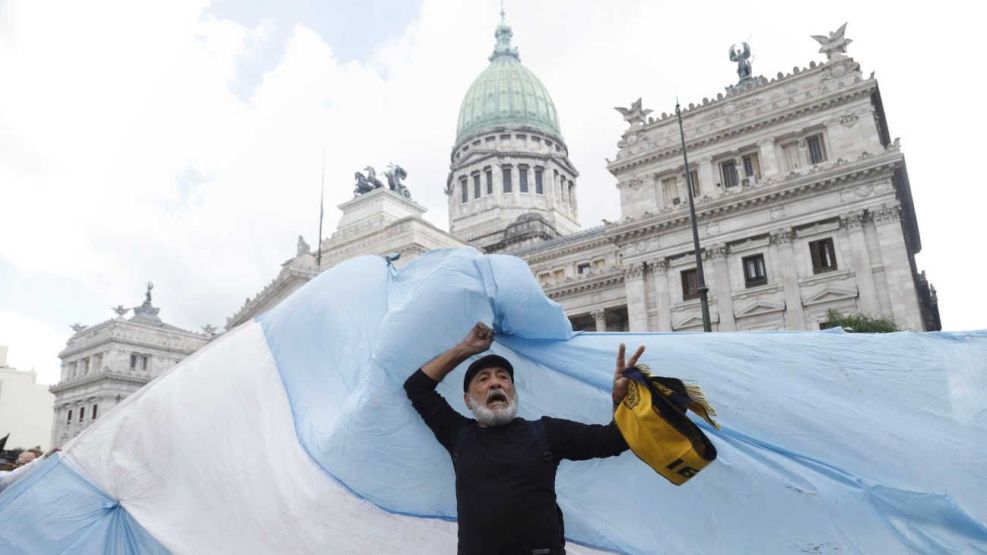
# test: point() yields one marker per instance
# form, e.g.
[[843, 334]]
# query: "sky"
[[181, 142]]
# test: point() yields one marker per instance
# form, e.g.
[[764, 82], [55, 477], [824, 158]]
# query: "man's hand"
[[478, 339], [620, 384]]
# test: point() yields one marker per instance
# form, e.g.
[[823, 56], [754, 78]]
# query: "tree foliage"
[[860, 323]]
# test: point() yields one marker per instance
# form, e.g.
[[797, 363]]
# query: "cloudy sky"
[[181, 142]]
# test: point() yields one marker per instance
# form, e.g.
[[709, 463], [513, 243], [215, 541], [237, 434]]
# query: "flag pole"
[[703, 300], [322, 197]]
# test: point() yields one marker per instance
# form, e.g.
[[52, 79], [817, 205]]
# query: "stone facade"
[[103, 364], [803, 205]]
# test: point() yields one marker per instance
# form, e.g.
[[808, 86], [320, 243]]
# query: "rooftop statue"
[[395, 174], [369, 182], [742, 56], [303, 247], [833, 46], [633, 115], [366, 183]]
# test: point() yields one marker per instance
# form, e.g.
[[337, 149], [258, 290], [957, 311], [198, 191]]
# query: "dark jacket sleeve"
[[577, 441], [443, 420]]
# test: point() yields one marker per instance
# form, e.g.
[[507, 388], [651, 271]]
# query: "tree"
[[859, 323]]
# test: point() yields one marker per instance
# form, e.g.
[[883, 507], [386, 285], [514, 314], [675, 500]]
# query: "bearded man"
[[505, 466]]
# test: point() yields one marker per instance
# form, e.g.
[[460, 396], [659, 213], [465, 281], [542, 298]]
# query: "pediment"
[[829, 293], [760, 306], [693, 320]]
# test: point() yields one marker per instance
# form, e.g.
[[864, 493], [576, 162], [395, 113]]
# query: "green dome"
[[506, 94]]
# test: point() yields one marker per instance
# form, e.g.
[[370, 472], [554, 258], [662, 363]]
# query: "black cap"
[[481, 363]]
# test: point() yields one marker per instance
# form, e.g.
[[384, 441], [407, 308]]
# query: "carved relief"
[[777, 212], [849, 119], [852, 221], [782, 237], [716, 252], [887, 214]]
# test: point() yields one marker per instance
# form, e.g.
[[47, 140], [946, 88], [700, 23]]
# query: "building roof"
[[506, 94]]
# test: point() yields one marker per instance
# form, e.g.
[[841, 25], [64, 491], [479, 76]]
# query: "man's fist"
[[478, 339]]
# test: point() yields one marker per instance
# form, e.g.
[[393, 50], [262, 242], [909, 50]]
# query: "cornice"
[[795, 187], [483, 156], [63, 386], [864, 87], [573, 286]]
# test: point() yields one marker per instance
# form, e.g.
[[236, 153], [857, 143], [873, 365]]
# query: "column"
[[600, 316], [707, 179], [852, 229], [781, 242], [637, 309], [897, 267], [663, 299], [769, 158], [721, 286]]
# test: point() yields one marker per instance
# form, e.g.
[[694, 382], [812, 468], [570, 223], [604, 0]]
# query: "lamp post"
[[700, 275]]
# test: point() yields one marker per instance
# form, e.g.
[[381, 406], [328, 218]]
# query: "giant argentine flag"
[[292, 433]]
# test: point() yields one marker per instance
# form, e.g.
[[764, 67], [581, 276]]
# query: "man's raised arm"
[[476, 341]]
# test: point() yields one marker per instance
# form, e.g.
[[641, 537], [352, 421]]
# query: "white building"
[[25, 407], [803, 204], [103, 364]]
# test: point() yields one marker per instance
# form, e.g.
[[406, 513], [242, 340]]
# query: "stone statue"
[[303, 247], [833, 46], [147, 295], [77, 327], [742, 56], [395, 174], [120, 310], [209, 330], [362, 185], [633, 115]]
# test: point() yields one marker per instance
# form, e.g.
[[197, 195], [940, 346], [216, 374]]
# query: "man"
[[505, 466]]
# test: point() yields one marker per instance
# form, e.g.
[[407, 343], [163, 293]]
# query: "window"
[[694, 182], [729, 171], [559, 275], [539, 186], [69, 419], [823, 255], [82, 413], [521, 137], [690, 284], [817, 150], [145, 362], [97, 361], [522, 179], [464, 189], [793, 159], [752, 166], [489, 175], [572, 193], [133, 361], [505, 137], [754, 273], [670, 190], [476, 185], [490, 139], [583, 268], [507, 178], [476, 142], [94, 412]]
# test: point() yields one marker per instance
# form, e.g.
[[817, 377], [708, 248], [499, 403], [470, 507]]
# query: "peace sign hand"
[[620, 383]]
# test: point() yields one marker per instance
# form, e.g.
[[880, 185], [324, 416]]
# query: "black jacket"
[[505, 484]]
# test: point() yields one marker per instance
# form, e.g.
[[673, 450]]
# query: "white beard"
[[493, 417]]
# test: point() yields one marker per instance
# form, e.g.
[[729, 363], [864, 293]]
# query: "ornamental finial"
[[833, 46]]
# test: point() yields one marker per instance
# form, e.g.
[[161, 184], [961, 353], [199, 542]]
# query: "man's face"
[[491, 397], [24, 458]]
